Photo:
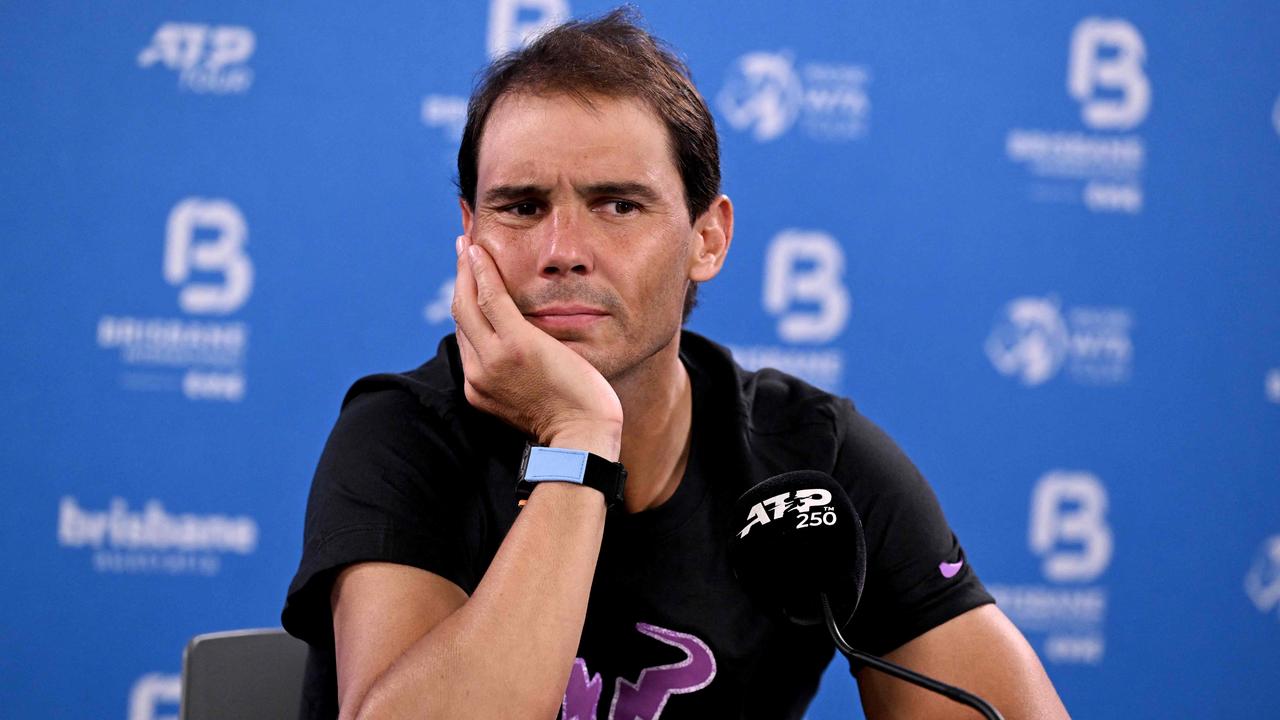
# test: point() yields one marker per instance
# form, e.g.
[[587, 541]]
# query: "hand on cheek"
[[517, 372]]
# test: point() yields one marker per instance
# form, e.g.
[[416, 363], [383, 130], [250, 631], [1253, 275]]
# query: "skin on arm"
[[980, 651], [411, 644]]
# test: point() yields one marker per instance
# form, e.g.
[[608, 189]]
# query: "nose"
[[564, 247]]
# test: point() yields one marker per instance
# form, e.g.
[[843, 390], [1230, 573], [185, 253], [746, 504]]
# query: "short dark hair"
[[612, 56]]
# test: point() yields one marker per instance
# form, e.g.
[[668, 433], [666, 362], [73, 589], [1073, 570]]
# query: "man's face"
[[582, 209]]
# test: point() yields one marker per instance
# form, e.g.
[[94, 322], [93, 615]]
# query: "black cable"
[[915, 678]]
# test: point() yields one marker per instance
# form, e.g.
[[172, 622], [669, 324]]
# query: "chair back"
[[243, 674]]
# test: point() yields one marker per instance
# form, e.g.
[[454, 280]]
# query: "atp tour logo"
[[1034, 338], [764, 94], [1262, 583], [804, 289], [811, 508], [512, 25], [1106, 76], [200, 356], [208, 59], [1069, 531]]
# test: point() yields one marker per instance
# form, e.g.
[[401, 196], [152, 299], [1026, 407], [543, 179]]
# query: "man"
[[589, 178]]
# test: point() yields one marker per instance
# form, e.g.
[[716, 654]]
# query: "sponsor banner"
[[1064, 616], [766, 94], [200, 355], [155, 696], [1262, 582], [1100, 166], [1034, 338], [208, 59], [511, 25], [152, 540], [439, 309], [804, 291]]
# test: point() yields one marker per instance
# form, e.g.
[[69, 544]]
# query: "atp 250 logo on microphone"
[[202, 353], [810, 507]]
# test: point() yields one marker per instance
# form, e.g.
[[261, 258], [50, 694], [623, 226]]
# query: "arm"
[[979, 651], [410, 643]]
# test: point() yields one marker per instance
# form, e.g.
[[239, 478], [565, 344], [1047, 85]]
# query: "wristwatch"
[[547, 464]]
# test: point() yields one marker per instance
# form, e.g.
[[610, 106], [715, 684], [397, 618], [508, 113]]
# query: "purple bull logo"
[[645, 698]]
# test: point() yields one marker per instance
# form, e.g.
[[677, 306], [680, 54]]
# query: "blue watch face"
[[557, 464]]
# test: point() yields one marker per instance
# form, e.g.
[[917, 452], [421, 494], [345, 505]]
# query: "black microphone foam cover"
[[796, 536]]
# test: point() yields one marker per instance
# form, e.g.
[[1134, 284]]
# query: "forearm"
[[508, 650]]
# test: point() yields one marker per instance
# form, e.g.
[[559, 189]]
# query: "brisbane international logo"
[[1101, 167]]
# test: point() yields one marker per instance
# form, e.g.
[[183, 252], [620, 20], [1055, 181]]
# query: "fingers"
[[491, 293], [470, 359], [466, 309]]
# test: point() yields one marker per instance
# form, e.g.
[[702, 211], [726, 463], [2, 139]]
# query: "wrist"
[[571, 466], [603, 439]]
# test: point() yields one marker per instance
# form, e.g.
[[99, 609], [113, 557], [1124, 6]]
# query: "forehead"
[[528, 137]]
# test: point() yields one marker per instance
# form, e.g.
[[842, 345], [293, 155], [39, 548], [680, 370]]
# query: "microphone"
[[800, 550]]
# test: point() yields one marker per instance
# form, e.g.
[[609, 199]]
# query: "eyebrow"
[[510, 193], [639, 191]]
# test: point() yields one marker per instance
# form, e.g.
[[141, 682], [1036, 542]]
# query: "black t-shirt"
[[412, 474]]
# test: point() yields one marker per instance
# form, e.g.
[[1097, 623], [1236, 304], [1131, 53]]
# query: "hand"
[[519, 373]]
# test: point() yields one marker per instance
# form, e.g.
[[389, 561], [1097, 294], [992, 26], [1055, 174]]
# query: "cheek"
[[509, 249], [661, 279]]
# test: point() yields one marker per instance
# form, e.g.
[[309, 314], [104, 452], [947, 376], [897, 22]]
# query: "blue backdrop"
[[1038, 243]]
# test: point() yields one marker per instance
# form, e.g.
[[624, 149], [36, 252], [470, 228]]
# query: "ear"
[[467, 216], [712, 234]]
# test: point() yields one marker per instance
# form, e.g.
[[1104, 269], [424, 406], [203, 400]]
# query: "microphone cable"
[[915, 678]]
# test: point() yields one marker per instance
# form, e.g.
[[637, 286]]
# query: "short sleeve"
[[917, 574], [387, 488]]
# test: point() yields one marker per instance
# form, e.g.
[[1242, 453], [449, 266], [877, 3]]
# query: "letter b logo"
[[806, 266], [222, 253], [1108, 55], [1069, 526]]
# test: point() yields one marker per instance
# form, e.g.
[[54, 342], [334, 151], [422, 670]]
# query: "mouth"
[[566, 317]]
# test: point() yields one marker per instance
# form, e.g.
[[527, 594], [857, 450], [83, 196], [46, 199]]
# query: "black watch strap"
[[545, 464]]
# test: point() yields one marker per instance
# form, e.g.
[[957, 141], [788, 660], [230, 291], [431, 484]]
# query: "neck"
[[657, 407]]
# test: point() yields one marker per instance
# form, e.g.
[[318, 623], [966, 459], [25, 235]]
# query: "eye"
[[524, 208], [622, 207]]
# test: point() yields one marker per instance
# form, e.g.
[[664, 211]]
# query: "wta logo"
[[762, 94], [766, 94], [1034, 338], [1030, 341], [1262, 583], [811, 508]]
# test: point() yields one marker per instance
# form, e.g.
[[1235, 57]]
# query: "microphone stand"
[[915, 678]]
